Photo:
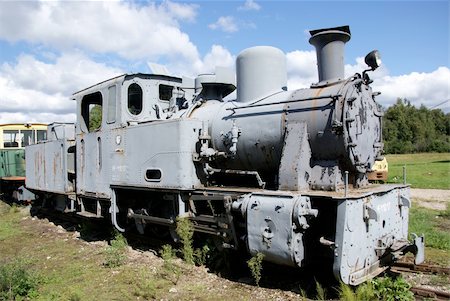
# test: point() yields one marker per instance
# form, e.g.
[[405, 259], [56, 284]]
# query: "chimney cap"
[[345, 29]]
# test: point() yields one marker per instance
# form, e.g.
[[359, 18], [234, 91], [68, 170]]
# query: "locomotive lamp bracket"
[[373, 60]]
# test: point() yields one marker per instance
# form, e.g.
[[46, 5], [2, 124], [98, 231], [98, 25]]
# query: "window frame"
[[85, 110], [111, 113], [141, 99], [159, 92]]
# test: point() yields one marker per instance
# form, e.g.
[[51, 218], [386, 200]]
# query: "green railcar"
[[12, 163], [13, 139]]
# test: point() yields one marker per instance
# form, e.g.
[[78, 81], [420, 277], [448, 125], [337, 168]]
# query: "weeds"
[[201, 255], [303, 293], [17, 282], [14, 209], [346, 293], [364, 292], [172, 271], [321, 292], [381, 288], [115, 253], [167, 253], [392, 289], [185, 231], [255, 266], [75, 297]]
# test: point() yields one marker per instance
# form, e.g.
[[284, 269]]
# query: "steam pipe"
[[329, 43]]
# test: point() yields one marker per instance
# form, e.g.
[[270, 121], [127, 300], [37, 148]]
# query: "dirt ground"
[[437, 199], [195, 282]]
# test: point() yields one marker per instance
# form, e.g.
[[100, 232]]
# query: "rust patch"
[[319, 91], [314, 105], [56, 159]]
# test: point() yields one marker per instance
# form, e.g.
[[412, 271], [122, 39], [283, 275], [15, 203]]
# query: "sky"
[[51, 49]]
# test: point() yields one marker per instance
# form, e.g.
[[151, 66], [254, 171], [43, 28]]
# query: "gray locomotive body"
[[272, 171]]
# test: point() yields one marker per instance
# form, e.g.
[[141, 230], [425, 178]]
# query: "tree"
[[95, 118], [409, 130]]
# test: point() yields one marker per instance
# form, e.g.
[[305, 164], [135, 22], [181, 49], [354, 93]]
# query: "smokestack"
[[329, 43]]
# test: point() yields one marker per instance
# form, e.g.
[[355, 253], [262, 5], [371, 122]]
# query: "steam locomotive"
[[271, 171]]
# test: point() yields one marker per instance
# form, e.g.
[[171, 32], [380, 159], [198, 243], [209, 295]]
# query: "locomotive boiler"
[[269, 170]]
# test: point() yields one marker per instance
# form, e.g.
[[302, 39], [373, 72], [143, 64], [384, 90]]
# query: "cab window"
[[27, 137], [135, 99], [41, 135], [111, 115], [91, 111], [165, 92], [11, 138]]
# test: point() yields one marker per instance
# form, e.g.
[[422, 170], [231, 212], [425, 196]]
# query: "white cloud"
[[68, 73], [32, 90], [250, 5], [360, 66], [129, 29], [301, 69], [218, 56], [226, 24], [24, 117], [428, 89], [182, 11]]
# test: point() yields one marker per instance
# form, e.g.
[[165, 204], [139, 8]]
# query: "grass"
[[73, 269], [434, 224], [424, 170], [9, 216], [70, 269], [429, 171]]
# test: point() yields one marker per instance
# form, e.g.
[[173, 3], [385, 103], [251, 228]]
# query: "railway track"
[[410, 267], [420, 292]]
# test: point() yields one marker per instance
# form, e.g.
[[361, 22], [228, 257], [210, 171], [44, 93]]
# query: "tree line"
[[408, 129]]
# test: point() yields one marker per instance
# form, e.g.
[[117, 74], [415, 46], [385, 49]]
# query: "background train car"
[[51, 170], [13, 139]]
